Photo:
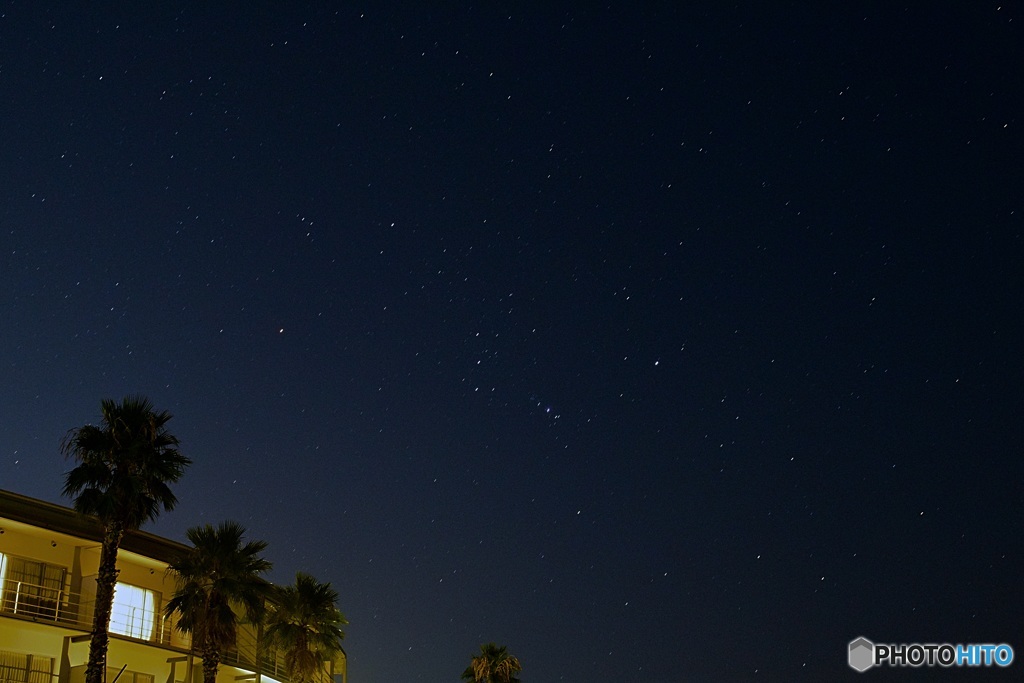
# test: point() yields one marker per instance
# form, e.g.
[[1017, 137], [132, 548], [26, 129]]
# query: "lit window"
[[30, 588], [133, 612], [15, 666], [126, 676]]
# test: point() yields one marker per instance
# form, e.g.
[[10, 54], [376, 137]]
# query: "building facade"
[[49, 556]]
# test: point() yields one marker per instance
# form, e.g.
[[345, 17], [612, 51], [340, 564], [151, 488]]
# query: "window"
[[19, 668], [133, 612], [128, 676], [29, 587]]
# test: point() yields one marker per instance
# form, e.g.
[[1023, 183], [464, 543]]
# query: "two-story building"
[[49, 557]]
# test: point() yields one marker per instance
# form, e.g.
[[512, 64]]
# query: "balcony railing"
[[74, 610], [271, 661]]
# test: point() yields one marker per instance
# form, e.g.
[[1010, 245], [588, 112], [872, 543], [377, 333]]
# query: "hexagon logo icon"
[[862, 654]]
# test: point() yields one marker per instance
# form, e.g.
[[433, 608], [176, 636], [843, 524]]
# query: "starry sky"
[[657, 341]]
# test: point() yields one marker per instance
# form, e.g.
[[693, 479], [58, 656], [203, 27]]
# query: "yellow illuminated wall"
[[47, 591]]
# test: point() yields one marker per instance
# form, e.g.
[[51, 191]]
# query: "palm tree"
[[125, 466], [305, 622], [218, 576], [493, 665]]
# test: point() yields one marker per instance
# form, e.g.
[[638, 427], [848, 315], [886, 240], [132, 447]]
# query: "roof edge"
[[45, 515]]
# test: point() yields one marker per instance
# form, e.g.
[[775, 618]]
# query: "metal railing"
[[75, 610], [267, 660]]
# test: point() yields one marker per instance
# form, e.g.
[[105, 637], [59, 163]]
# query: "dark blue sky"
[[658, 343]]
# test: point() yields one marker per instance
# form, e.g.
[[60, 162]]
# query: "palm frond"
[[218, 580], [305, 622], [125, 465]]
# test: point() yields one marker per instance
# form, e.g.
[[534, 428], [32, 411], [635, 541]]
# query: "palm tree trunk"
[[106, 579], [211, 662]]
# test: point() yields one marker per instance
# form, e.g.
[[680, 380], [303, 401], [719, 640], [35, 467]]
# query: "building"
[[49, 557]]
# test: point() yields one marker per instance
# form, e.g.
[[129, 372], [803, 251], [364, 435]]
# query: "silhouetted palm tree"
[[493, 665], [305, 622], [217, 576], [125, 466]]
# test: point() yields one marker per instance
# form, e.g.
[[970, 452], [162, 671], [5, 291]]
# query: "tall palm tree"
[[493, 665], [305, 622], [217, 578], [125, 466]]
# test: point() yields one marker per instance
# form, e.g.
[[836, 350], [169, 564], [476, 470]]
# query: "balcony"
[[45, 604], [72, 610]]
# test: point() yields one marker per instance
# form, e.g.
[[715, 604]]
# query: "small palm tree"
[[305, 622], [217, 576], [125, 467], [493, 665]]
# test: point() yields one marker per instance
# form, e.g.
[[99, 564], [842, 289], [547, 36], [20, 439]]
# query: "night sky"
[[658, 343]]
